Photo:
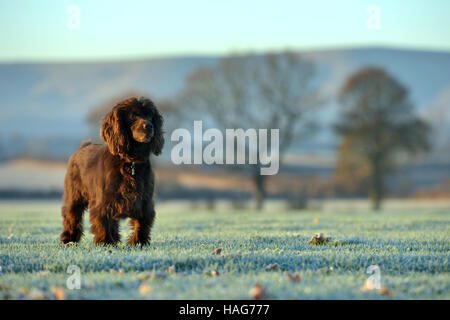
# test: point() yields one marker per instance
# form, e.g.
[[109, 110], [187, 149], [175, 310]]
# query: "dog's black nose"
[[147, 125]]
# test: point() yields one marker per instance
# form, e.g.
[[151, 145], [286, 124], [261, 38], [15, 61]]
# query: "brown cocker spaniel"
[[115, 180]]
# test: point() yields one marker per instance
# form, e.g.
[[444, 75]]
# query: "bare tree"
[[377, 124], [438, 114], [271, 91]]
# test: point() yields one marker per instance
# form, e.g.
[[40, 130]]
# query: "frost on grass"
[[411, 248]]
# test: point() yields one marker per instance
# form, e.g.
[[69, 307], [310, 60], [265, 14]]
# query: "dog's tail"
[[85, 143]]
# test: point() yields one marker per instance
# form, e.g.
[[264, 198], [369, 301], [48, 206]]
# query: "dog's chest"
[[132, 193]]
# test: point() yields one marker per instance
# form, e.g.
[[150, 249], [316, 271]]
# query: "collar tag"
[[132, 169]]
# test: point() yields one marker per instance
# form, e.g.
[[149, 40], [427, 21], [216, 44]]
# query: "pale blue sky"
[[114, 30]]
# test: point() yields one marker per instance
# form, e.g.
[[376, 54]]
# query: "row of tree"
[[377, 122]]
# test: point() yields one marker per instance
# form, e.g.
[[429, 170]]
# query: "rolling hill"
[[44, 106]]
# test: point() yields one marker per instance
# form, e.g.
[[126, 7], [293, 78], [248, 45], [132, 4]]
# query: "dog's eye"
[[132, 117]]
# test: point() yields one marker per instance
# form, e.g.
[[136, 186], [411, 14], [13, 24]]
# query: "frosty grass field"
[[410, 246]]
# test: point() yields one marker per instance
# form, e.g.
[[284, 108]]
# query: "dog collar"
[[133, 164]]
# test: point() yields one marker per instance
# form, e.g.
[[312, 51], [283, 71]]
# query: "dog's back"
[[85, 143]]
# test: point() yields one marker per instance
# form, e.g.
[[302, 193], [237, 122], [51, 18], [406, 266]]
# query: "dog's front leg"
[[141, 228], [105, 230]]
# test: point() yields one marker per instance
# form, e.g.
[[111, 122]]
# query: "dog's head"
[[132, 125]]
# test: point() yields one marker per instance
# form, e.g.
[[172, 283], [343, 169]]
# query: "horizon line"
[[141, 58]]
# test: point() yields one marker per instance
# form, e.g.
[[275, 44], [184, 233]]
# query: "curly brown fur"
[[100, 177]]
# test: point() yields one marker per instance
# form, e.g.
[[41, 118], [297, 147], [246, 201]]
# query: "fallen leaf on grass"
[[272, 267], [58, 292], [319, 238], [315, 221], [385, 291], [214, 273], [217, 251], [369, 286], [171, 270], [293, 277], [145, 289], [257, 291]]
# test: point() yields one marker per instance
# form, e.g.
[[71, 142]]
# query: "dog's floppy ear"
[[114, 133], [157, 142]]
